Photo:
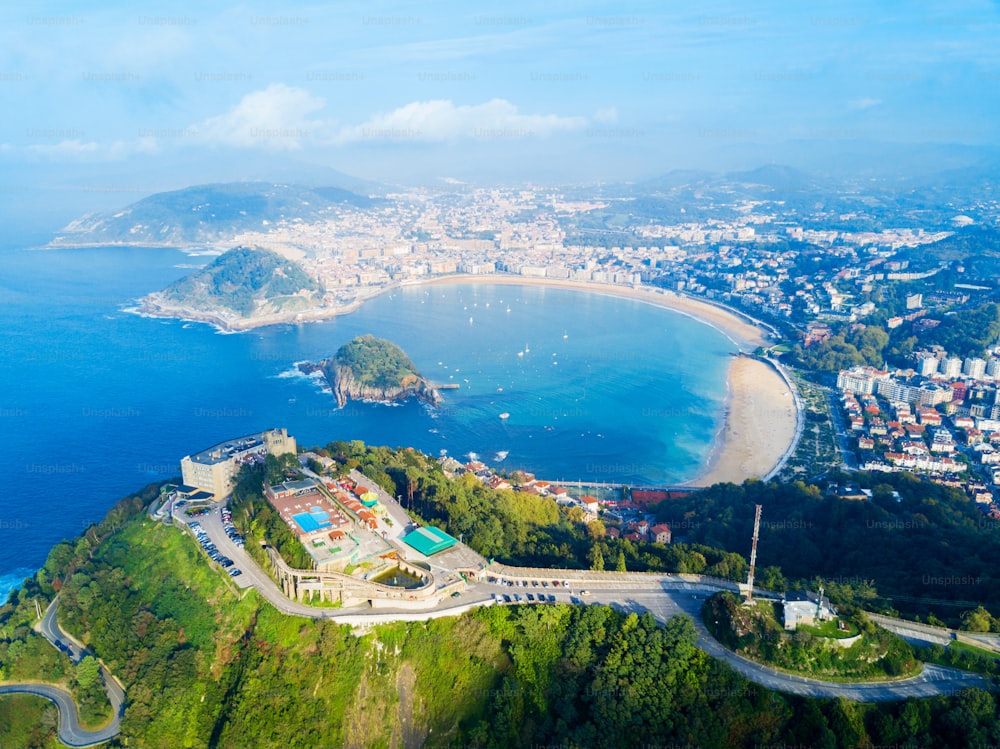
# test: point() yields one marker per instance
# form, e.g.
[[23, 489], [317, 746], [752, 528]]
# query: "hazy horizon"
[[109, 105]]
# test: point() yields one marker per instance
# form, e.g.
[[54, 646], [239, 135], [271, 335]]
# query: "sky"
[[118, 102]]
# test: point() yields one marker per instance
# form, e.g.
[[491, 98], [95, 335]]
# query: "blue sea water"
[[96, 402]]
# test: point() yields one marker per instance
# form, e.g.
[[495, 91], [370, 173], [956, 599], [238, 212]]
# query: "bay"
[[96, 401]]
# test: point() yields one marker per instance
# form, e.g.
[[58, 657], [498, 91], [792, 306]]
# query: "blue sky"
[[554, 91]]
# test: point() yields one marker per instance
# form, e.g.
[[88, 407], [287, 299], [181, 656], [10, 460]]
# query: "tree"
[[977, 620], [620, 562], [88, 672], [596, 559]]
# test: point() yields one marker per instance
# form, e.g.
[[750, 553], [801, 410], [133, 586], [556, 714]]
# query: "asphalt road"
[[70, 731]]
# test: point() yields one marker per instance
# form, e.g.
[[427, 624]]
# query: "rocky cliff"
[[371, 369]]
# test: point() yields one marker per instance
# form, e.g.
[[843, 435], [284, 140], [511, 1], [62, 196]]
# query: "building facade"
[[214, 469]]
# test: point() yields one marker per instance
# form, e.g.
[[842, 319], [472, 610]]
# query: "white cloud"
[[71, 148], [606, 116], [864, 103], [75, 149], [441, 120], [275, 118]]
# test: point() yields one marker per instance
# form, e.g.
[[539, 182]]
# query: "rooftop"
[[230, 448], [429, 540]]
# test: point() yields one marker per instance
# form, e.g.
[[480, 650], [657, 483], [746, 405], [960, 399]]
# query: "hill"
[[370, 368], [204, 666], [206, 214], [240, 286]]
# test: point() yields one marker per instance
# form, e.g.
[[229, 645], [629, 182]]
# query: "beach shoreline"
[[759, 426]]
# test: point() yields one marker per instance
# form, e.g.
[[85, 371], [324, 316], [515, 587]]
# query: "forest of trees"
[[929, 553]]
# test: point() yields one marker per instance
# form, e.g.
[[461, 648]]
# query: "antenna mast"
[[753, 555]]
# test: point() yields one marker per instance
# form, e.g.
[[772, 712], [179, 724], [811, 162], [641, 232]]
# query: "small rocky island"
[[370, 368]]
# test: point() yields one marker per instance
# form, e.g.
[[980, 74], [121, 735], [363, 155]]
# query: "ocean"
[[96, 401]]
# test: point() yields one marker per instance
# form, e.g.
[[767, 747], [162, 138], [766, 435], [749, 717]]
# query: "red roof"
[[646, 497]]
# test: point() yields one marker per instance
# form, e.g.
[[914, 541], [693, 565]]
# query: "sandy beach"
[[759, 424]]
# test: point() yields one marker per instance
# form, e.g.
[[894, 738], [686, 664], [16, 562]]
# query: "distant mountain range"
[[214, 215], [207, 214]]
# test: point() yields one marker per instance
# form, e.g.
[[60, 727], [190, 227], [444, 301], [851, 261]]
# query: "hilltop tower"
[[753, 558]]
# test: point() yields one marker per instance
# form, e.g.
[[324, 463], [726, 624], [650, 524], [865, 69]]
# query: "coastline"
[[760, 412], [759, 425]]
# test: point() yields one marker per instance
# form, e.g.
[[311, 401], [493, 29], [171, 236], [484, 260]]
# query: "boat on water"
[[505, 415], [520, 353]]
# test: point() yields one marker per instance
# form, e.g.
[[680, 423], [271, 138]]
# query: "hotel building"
[[214, 469]]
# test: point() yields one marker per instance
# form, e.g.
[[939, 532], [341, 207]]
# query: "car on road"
[[517, 597], [530, 597], [456, 594], [234, 572], [584, 592], [506, 598], [552, 598], [574, 600]]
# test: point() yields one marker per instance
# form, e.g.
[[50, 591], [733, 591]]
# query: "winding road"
[[70, 731], [664, 596]]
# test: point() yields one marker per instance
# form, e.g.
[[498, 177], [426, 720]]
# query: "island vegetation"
[[242, 283], [370, 368]]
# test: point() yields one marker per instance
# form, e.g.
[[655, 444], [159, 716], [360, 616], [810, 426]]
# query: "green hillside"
[[244, 281], [205, 666], [208, 214]]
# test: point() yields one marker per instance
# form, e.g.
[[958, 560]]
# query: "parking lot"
[[221, 542]]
